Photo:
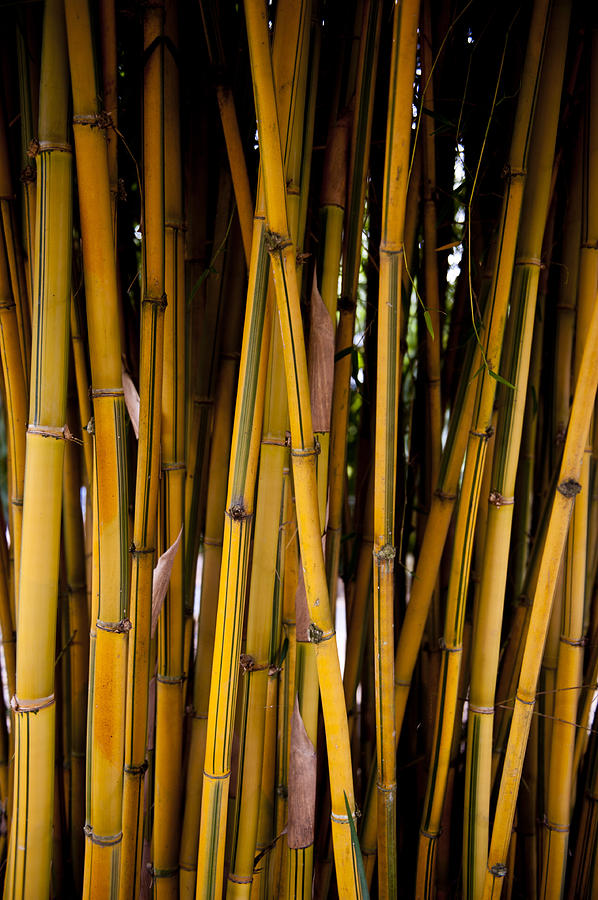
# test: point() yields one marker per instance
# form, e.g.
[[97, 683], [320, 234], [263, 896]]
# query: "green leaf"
[[428, 319], [283, 652], [363, 882], [502, 380]]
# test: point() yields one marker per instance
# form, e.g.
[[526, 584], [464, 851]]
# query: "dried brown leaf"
[[302, 784], [131, 401], [162, 579], [301, 609], [321, 361]]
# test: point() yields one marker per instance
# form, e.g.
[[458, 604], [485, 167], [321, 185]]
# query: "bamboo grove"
[[298, 453]]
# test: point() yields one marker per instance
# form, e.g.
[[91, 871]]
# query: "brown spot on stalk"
[[569, 488]]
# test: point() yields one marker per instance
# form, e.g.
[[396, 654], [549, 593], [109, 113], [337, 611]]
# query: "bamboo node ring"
[[49, 431], [443, 495], [101, 119], [238, 512], [485, 435], [108, 841], [213, 777], [481, 710], [51, 145], [276, 243], [238, 879], [162, 873], [94, 393], [170, 679], [446, 649], [136, 770], [307, 451], [173, 467], [317, 636], [497, 499], [33, 706], [248, 664], [121, 627], [140, 551], [510, 172], [159, 302], [499, 870], [581, 642], [529, 261], [569, 488], [430, 835], [552, 826], [33, 148]]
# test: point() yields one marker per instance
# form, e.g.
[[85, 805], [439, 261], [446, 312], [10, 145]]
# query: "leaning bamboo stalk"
[[562, 505], [502, 489], [282, 255], [235, 551], [148, 457], [476, 450], [358, 166], [108, 662], [28, 871], [571, 647], [396, 171]]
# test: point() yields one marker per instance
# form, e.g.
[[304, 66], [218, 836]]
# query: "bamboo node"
[[33, 706], [276, 243], [569, 488], [8, 303], [317, 636], [94, 393], [552, 826], [346, 303], [481, 710], [136, 770], [238, 512], [248, 664], [485, 435], [499, 870], [173, 467], [91, 426], [511, 172], [307, 451], [49, 431], [28, 174], [444, 495], [239, 879], [105, 841], [162, 873], [33, 148], [52, 145], [170, 679], [101, 119], [497, 499], [385, 555], [581, 642], [121, 627], [160, 302], [529, 261]]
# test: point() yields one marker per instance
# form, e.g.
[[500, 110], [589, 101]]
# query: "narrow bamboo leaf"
[[363, 882], [162, 578], [131, 401], [428, 320], [500, 379]]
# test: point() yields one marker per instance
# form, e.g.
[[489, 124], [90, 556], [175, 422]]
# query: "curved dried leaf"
[[162, 579], [131, 401]]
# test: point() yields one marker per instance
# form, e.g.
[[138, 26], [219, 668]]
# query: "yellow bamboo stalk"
[[171, 663], [396, 169], [154, 301], [84, 402], [108, 659], [76, 619], [235, 550], [28, 870], [562, 504], [212, 553], [282, 256], [502, 489], [358, 166], [28, 96], [476, 454]]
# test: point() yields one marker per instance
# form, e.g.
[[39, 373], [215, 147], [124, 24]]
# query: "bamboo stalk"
[[396, 169], [30, 850], [282, 257], [110, 564]]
